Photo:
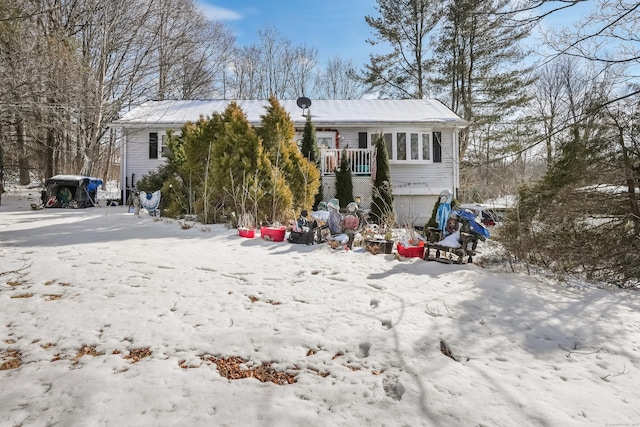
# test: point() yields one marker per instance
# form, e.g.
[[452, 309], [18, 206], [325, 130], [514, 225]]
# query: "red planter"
[[247, 232], [273, 234], [411, 251]]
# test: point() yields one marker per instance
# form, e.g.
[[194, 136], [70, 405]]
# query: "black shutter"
[[362, 140], [437, 147], [153, 145]]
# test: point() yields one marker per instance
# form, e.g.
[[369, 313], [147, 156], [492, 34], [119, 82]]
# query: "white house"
[[421, 136]]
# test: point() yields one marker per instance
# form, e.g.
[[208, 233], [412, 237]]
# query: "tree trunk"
[[1, 170], [48, 154], [23, 162]]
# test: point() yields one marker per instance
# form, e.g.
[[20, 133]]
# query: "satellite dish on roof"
[[303, 102]]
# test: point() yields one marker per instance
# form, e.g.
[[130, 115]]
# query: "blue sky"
[[334, 27]]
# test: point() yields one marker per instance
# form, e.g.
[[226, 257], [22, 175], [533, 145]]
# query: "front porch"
[[360, 160]]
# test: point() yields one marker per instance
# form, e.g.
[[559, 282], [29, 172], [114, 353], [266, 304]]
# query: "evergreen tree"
[[404, 25], [292, 172], [382, 197], [241, 166], [344, 182], [480, 73], [183, 178], [309, 146], [311, 151]]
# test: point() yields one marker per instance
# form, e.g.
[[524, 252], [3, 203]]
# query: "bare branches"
[[19, 272], [609, 375], [608, 35], [584, 351], [534, 6]]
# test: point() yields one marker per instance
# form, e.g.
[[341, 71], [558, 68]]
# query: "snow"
[[324, 112], [362, 333]]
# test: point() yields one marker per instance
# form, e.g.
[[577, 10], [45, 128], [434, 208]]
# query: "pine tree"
[[480, 63], [241, 165], [382, 197], [404, 25], [299, 176], [344, 182], [309, 146], [311, 151]]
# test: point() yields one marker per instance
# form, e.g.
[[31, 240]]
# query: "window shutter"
[[362, 140], [153, 145], [437, 147]]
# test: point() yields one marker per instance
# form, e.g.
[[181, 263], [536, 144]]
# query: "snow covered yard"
[[114, 319]]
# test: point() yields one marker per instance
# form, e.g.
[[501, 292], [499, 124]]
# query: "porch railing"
[[359, 159]]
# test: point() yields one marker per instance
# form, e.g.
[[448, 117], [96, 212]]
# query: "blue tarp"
[[71, 191]]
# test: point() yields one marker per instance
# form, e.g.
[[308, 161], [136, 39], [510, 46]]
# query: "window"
[[426, 153], [403, 146], [437, 147], [153, 145], [164, 147], [388, 140], [326, 139], [415, 151]]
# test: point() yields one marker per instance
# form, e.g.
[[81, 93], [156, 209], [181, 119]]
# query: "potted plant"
[[273, 232], [377, 243], [412, 244], [382, 203], [411, 248], [247, 226]]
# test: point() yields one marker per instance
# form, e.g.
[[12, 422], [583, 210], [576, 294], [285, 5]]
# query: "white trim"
[[456, 162], [394, 131], [123, 166]]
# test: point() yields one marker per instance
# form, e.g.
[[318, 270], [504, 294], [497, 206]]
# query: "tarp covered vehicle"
[[71, 191], [458, 241]]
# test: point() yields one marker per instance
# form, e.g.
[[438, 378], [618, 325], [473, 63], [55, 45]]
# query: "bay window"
[[408, 146]]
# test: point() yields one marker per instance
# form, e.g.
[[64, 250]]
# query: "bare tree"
[[244, 75], [69, 67], [275, 56], [274, 67], [337, 80], [191, 52], [548, 92], [302, 66], [609, 34]]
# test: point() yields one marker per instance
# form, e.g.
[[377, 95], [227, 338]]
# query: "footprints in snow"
[[393, 388], [390, 384], [386, 323], [362, 350]]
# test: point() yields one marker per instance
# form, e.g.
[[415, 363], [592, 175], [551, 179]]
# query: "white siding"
[[350, 137], [415, 185], [426, 178], [137, 161], [414, 210]]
